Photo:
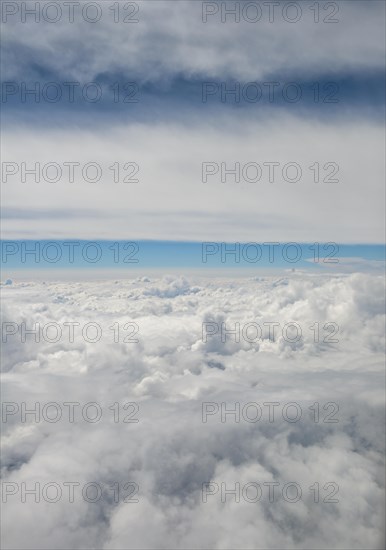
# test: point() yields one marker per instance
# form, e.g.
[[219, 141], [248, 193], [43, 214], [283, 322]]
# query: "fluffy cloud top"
[[170, 372]]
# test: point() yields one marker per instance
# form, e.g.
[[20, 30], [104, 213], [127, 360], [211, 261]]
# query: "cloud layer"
[[171, 200], [170, 131], [171, 40], [170, 372]]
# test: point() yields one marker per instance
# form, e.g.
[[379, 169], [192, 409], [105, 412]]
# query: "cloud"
[[354, 263], [170, 453], [170, 40], [170, 132], [170, 158], [163, 374]]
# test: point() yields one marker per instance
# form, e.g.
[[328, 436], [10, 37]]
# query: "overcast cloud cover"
[[170, 452], [162, 347], [169, 132]]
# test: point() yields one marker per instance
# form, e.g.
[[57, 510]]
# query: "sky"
[[194, 127], [128, 258], [193, 231]]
